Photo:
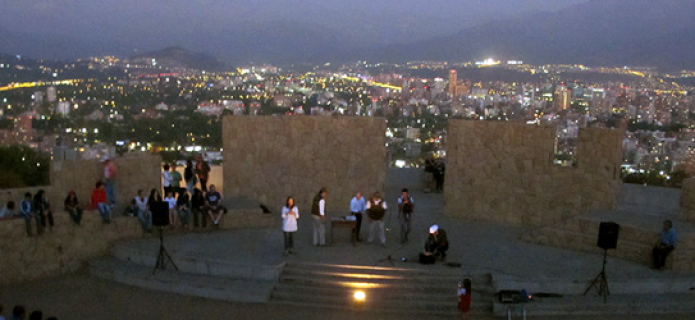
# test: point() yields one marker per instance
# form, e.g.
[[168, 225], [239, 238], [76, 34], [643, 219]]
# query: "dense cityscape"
[[85, 108]]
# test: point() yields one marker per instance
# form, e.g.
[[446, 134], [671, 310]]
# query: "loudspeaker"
[[608, 235], [426, 258], [160, 213]]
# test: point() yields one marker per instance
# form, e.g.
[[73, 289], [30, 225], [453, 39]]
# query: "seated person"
[[9, 211], [666, 244], [72, 206], [437, 242], [213, 202]]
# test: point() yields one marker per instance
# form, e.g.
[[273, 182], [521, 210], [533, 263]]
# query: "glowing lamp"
[[360, 296]]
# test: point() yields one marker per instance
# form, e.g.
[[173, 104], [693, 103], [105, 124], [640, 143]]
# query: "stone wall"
[[687, 203], [65, 247], [135, 171], [503, 172], [270, 158]]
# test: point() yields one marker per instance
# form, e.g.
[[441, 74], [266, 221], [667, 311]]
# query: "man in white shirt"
[[318, 213], [376, 210], [357, 207]]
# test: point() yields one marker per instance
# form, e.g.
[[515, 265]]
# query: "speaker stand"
[[163, 255], [601, 282]]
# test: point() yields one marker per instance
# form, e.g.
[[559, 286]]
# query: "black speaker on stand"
[[607, 239], [160, 219]]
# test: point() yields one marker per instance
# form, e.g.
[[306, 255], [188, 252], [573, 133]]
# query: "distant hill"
[[177, 57], [599, 32]]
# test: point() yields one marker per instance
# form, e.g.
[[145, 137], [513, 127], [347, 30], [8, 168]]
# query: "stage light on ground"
[[360, 296]]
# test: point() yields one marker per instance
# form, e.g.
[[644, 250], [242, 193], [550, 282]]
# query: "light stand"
[[600, 282], [163, 255]]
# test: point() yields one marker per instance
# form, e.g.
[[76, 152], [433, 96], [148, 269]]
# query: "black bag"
[[426, 258]]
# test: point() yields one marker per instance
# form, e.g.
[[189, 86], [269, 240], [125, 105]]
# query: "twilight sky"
[[152, 24]]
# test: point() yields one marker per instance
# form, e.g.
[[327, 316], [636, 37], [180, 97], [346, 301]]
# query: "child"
[[464, 298], [173, 216]]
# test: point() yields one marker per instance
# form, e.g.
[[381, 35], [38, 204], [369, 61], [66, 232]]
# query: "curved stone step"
[[206, 286]]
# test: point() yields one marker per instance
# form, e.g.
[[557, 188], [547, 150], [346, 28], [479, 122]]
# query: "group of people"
[[374, 208], [180, 204], [35, 210], [20, 313]]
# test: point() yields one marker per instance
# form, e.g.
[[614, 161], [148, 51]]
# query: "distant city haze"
[[595, 32], [200, 25]]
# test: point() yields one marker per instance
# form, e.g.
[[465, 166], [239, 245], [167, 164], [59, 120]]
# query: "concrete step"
[[378, 293], [431, 285], [382, 274], [430, 306], [147, 256], [206, 286], [630, 304], [391, 290]]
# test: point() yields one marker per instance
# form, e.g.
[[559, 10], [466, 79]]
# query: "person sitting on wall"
[[216, 210], [666, 244], [437, 243], [27, 211], [8, 211], [72, 206]]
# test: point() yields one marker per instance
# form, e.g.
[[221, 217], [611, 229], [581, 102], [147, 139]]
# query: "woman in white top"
[[290, 214]]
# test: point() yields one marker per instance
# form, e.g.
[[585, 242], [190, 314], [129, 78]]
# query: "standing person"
[[464, 298], [290, 214], [406, 206], [166, 179], [143, 214], [429, 173], [376, 210], [183, 205], [173, 215], [72, 206], [176, 181], [439, 175], [110, 172], [99, 202], [202, 170], [357, 207], [198, 209], [43, 211], [666, 244], [215, 208], [26, 208], [318, 213], [190, 177], [156, 206]]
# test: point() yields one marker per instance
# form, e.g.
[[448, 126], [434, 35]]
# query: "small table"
[[347, 224]]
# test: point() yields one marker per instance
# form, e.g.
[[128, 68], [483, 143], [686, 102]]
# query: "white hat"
[[104, 159], [434, 228]]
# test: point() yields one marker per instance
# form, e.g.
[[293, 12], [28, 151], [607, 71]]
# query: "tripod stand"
[[163, 255], [600, 282]]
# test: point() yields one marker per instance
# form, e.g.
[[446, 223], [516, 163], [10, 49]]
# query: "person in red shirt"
[[464, 298], [99, 202]]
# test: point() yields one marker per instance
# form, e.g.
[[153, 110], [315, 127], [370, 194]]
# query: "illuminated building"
[[452, 83]]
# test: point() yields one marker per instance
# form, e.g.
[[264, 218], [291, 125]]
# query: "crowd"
[[182, 206], [20, 313]]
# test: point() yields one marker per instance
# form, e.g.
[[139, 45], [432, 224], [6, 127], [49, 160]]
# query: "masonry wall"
[[687, 201], [503, 172], [270, 158], [65, 247]]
